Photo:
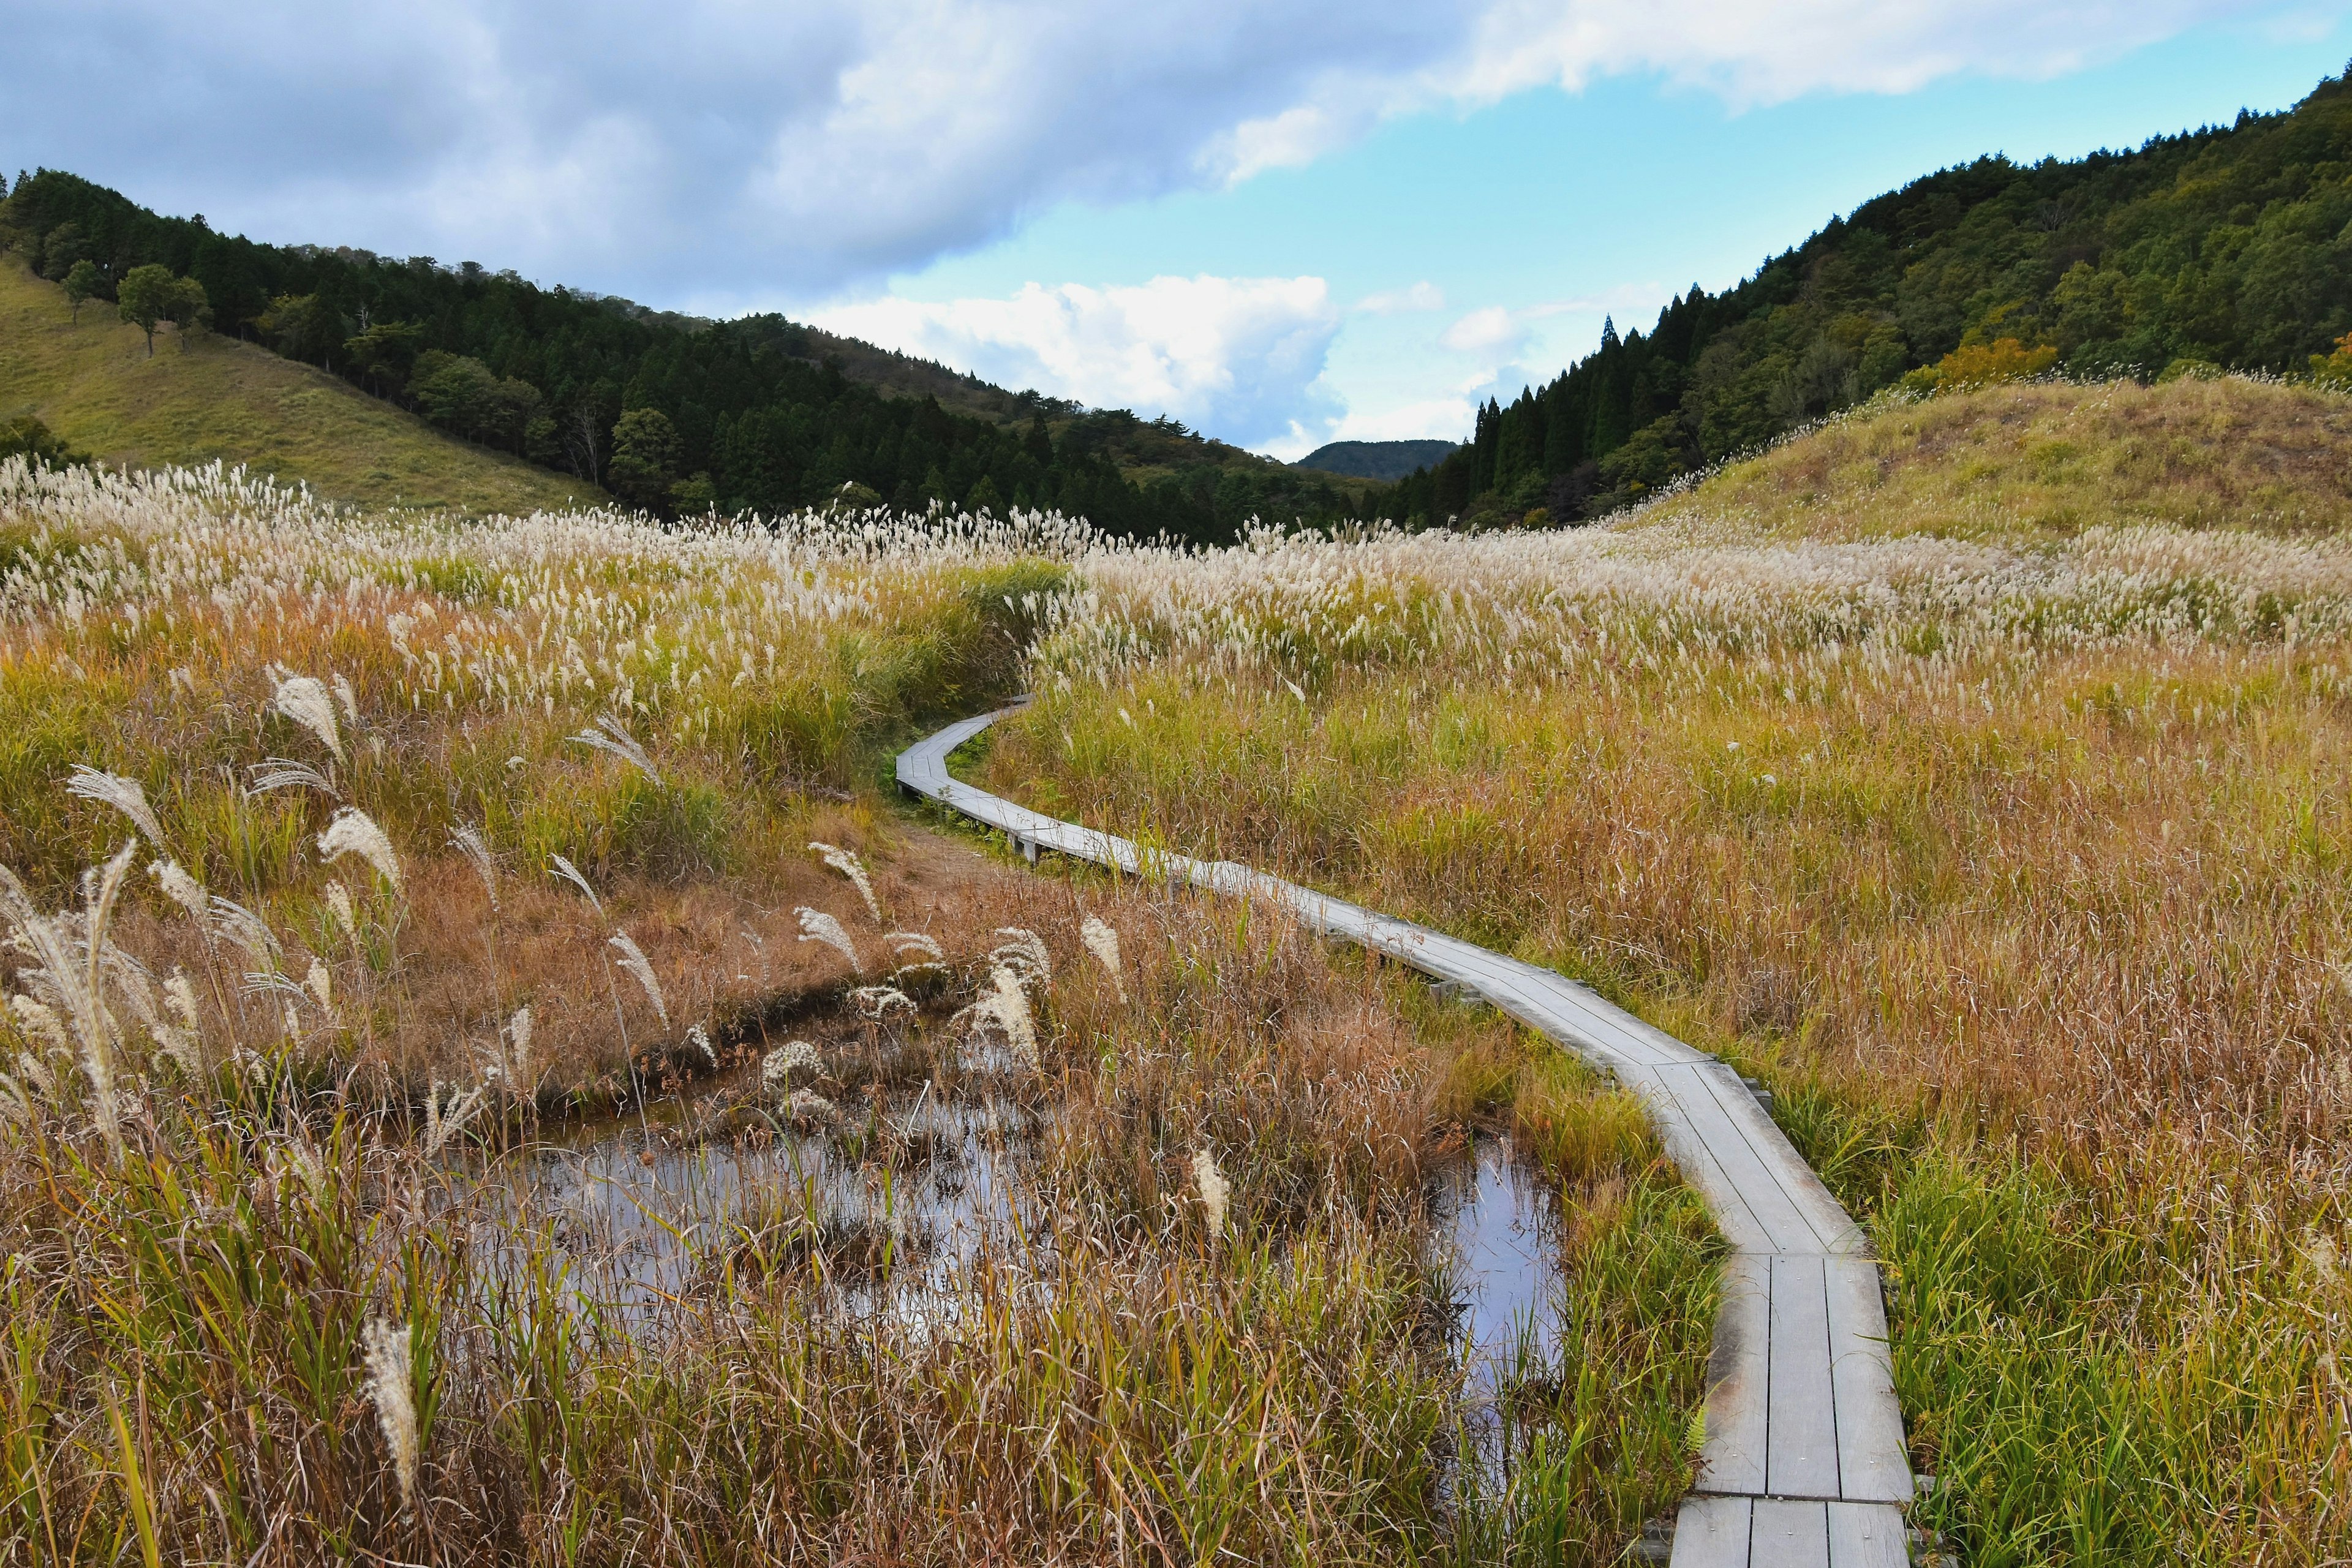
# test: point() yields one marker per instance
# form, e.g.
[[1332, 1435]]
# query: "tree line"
[[2222, 248], [668, 412]]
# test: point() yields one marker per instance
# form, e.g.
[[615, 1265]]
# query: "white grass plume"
[[1103, 942], [443, 1122], [233, 922], [633, 958], [1024, 954], [321, 985], [700, 1038], [182, 888], [902, 942], [1214, 1192], [305, 700], [349, 699], [468, 841], [518, 1073], [794, 1062], [879, 1002], [571, 873], [611, 735], [355, 832], [1007, 1007], [126, 796], [180, 996], [390, 1385], [818, 926], [847, 862], [338, 904], [284, 773]]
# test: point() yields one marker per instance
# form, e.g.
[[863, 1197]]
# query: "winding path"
[[1804, 1461]]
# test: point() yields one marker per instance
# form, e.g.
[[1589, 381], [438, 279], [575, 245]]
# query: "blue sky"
[[1280, 221]]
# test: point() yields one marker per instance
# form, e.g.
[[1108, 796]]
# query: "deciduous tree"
[[81, 281], [146, 296]]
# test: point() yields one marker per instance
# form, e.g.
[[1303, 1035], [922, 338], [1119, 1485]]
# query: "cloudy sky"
[[1282, 222]]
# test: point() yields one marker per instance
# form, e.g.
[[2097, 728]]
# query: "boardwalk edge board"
[[1804, 1460]]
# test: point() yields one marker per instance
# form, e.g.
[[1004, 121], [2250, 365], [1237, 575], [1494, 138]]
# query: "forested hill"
[[669, 412], [2223, 247]]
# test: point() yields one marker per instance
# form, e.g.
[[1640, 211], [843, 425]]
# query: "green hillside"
[[672, 413], [2223, 247], [95, 386], [2036, 462]]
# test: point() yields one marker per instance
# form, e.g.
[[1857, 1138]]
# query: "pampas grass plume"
[[180, 888], [390, 1385], [847, 863], [818, 926], [633, 958], [1214, 1191], [1103, 942], [355, 832], [126, 796], [305, 700]]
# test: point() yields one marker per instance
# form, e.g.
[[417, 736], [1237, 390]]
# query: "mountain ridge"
[[1383, 460]]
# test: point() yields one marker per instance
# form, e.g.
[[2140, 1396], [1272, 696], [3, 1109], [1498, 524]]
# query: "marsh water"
[[642, 1204]]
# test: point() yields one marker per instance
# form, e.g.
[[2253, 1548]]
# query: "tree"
[[302, 326], [645, 457], [81, 281], [25, 436], [384, 350], [146, 296], [60, 249], [189, 310]]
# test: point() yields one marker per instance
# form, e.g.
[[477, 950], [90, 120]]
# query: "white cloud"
[[713, 150], [1422, 296], [1493, 330], [1237, 355]]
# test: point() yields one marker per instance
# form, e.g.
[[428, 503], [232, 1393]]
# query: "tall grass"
[[458, 826], [2015, 860]]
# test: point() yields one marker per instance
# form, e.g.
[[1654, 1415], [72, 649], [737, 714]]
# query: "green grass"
[[96, 387], [2048, 460]]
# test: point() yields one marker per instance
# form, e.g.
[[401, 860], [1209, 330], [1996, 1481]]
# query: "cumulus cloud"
[[707, 150], [1237, 355]]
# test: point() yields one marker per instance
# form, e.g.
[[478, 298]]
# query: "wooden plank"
[[1743, 1229], [1867, 1535], [1749, 1171], [1800, 1401], [1712, 1532], [1833, 1228], [1873, 1463], [1788, 1535], [1801, 1456], [1732, 1458]]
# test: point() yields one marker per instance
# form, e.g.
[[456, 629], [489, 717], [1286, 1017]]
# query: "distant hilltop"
[[1386, 461]]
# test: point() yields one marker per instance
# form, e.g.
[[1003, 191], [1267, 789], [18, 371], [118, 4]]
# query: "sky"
[[1282, 223]]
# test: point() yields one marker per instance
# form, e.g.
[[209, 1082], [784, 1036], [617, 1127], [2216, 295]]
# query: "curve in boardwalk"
[[1804, 1461]]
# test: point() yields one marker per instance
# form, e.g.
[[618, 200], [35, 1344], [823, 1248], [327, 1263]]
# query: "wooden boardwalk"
[[1804, 1462]]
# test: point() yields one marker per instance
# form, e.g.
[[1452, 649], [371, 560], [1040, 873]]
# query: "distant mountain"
[[1386, 461], [669, 412]]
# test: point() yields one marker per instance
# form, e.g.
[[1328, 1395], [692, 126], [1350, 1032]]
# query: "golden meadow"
[[1970, 775]]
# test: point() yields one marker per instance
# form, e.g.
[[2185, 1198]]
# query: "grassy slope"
[[95, 386], [2049, 461]]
